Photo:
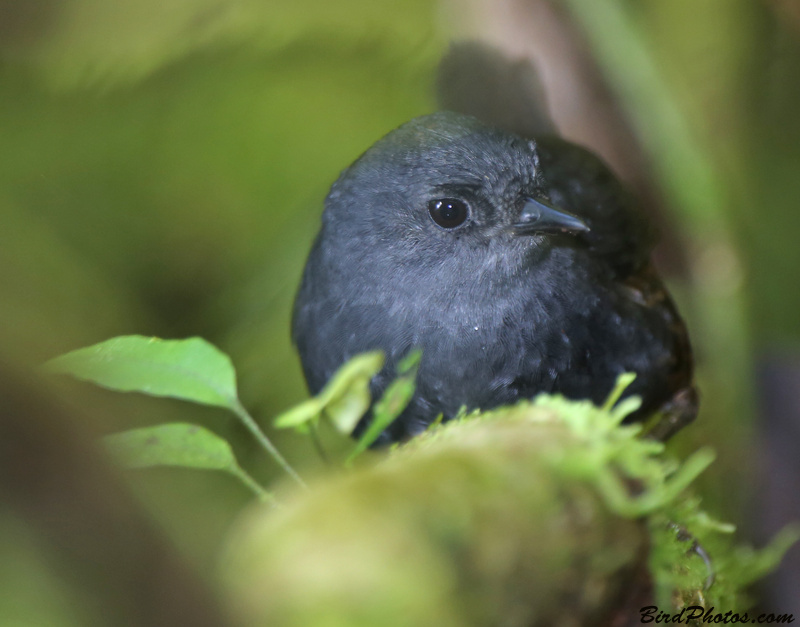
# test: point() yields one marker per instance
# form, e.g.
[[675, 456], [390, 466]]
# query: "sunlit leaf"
[[190, 369], [299, 415], [345, 410], [343, 400], [409, 361], [623, 382], [394, 400]]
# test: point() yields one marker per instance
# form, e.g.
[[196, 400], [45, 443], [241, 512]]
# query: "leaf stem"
[[315, 439], [264, 441], [263, 495]]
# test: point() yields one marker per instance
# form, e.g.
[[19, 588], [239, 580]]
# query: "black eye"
[[448, 212]]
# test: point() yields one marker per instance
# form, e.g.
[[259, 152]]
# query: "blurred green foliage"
[[734, 68], [710, 89], [507, 532], [162, 171], [163, 165], [162, 198], [184, 201]]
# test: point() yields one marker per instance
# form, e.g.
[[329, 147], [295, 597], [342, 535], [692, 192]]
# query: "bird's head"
[[444, 189]]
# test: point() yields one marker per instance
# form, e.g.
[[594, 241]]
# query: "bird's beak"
[[538, 217]]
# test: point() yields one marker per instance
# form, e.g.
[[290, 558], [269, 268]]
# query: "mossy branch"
[[504, 518]]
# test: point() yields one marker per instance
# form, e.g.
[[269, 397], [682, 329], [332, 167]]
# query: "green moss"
[[693, 558]]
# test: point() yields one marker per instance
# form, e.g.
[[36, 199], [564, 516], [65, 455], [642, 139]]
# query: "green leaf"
[[394, 400], [177, 444], [172, 444], [623, 382], [344, 399], [410, 361], [300, 415], [191, 369]]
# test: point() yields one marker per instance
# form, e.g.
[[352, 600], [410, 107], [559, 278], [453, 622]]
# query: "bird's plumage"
[[499, 315]]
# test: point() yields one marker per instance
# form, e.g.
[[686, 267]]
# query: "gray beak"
[[538, 217]]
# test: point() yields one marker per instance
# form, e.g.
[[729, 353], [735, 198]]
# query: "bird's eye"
[[448, 213]]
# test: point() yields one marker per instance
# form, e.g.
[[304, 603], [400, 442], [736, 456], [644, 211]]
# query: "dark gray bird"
[[518, 266]]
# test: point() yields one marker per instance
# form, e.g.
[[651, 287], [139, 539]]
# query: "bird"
[[517, 266]]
